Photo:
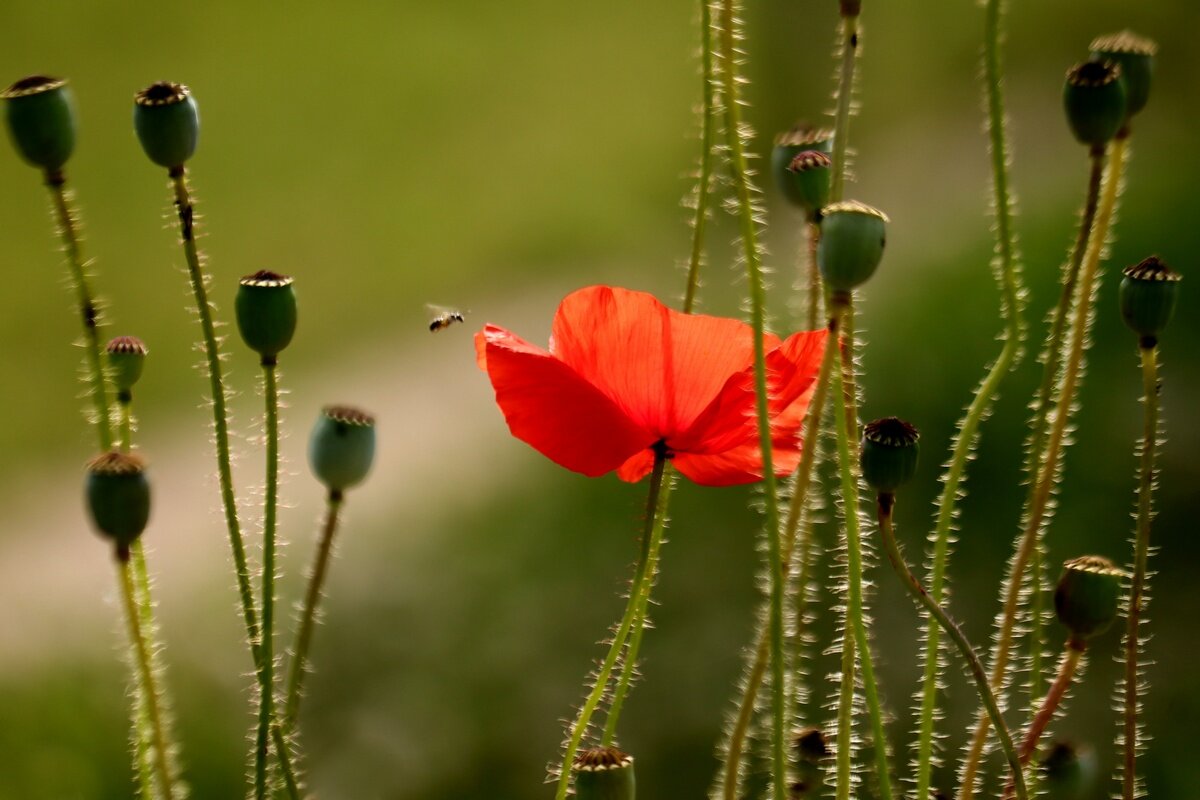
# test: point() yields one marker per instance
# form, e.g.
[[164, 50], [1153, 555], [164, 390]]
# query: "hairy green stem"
[[266, 670], [291, 785], [885, 505], [1050, 704], [813, 274], [659, 483], [848, 36], [1137, 591], [707, 135]]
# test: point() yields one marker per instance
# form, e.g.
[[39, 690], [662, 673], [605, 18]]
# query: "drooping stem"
[[659, 482], [212, 355], [1050, 704], [885, 504], [734, 134], [1048, 472], [150, 693], [308, 614], [1141, 557], [855, 622], [266, 670], [848, 36], [708, 123]]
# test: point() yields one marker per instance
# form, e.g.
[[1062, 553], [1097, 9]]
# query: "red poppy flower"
[[625, 374]]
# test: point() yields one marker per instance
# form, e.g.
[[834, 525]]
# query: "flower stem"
[[848, 468], [308, 616], [885, 504], [813, 274], [845, 90], [289, 774], [1050, 704], [149, 686], [707, 134], [1049, 471], [212, 354], [1137, 591], [651, 543], [266, 670]]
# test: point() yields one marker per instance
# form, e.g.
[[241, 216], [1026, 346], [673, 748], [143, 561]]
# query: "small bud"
[[807, 182], [1068, 772], [802, 137], [118, 497], [342, 447], [811, 751], [266, 313], [1136, 57], [41, 120], [126, 357], [1147, 296], [1094, 99], [852, 238], [889, 454], [604, 773], [1088, 596], [167, 123]]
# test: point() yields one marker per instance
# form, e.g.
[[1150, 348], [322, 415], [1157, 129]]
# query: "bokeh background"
[[494, 156]]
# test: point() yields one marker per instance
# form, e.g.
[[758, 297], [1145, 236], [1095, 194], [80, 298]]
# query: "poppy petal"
[[794, 365], [550, 407], [637, 467], [742, 464]]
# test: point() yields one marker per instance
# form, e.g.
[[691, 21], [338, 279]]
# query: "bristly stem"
[[308, 615], [846, 418], [266, 670], [289, 773], [1050, 704], [1137, 592], [212, 354], [1049, 471], [660, 483], [813, 275], [848, 36], [149, 686], [885, 505], [704, 182], [734, 135]]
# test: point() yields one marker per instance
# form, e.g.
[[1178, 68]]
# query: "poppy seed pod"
[[266, 313], [1094, 99], [118, 496], [41, 120], [167, 123], [890, 449], [1088, 596], [604, 773], [802, 137], [1135, 54], [342, 447], [1147, 296], [126, 357], [852, 239], [808, 178]]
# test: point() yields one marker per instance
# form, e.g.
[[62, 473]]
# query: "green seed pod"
[[1068, 772], [812, 751], [266, 313], [809, 175], [126, 357], [342, 447], [889, 454], [1094, 99], [852, 238], [41, 120], [1147, 296], [1135, 54], [604, 773], [802, 137], [167, 123], [1088, 596], [118, 496]]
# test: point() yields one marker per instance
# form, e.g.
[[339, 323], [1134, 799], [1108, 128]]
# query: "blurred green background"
[[494, 156]]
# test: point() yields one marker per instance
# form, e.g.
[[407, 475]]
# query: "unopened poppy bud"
[[126, 357], [1068, 772], [811, 751], [118, 497], [41, 120], [167, 123], [809, 185], [852, 238], [1135, 54], [1147, 296], [1094, 99], [1088, 596], [890, 449], [266, 313], [801, 138], [342, 447], [604, 773]]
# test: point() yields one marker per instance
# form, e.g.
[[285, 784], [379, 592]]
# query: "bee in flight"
[[443, 317]]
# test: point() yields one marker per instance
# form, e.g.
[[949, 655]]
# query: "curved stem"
[[1050, 704], [308, 616], [1137, 591], [639, 587], [212, 355], [266, 670], [845, 91], [923, 598], [150, 693], [704, 183]]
